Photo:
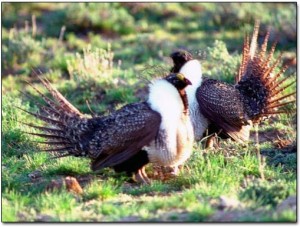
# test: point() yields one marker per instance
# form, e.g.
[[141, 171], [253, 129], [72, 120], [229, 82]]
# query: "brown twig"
[[261, 160]]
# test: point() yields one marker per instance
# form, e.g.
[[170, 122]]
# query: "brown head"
[[179, 81]]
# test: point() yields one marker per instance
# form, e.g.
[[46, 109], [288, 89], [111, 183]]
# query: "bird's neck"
[[185, 102]]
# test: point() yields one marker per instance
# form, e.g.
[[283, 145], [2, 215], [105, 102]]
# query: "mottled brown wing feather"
[[123, 134], [221, 103]]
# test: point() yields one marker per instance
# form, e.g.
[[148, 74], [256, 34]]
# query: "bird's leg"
[[141, 176], [211, 141], [143, 171]]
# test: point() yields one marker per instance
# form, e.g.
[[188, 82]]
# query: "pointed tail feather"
[[52, 137], [63, 103], [47, 109], [45, 129], [277, 112], [264, 46], [253, 44], [249, 52], [281, 98], [55, 143], [269, 70], [272, 81], [58, 149], [262, 91], [66, 128], [280, 104], [270, 56], [245, 59], [276, 92], [49, 101], [45, 119]]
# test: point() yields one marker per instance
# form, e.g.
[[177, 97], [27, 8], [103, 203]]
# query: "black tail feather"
[[58, 149], [45, 129], [49, 110], [45, 119], [55, 143], [49, 101], [64, 124], [53, 137], [63, 103]]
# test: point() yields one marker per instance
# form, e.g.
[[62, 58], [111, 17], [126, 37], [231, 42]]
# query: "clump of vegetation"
[[266, 193], [20, 50], [13, 140], [95, 65], [222, 65], [286, 157], [108, 17], [101, 190]]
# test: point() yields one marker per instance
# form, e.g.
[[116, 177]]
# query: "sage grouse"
[[258, 93], [191, 68], [157, 131]]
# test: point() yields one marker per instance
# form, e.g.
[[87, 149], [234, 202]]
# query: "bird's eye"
[[180, 76]]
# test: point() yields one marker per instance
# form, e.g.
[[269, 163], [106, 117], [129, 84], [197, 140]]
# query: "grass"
[[99, 61]]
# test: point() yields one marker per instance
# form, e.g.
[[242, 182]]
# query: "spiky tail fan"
[[66, 126], [262, 90]]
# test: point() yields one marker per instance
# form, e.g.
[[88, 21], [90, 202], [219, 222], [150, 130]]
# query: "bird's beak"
[[188, 82]]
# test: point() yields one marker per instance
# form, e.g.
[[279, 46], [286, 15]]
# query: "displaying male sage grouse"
[[258, 93], [191, 68], [157, 131]]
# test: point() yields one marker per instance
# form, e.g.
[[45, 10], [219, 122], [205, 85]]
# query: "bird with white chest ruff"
[[259, 91], [191, 68], [158, 130]]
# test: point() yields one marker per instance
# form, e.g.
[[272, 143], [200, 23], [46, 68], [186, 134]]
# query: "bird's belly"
[[185, 139], [163, 155]]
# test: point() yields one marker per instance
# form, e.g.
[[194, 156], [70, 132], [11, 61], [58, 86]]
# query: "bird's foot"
[[212, 142], [141, 176]]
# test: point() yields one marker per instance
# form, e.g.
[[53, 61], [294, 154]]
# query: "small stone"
[[43, 218], [287, 204], [129, 219], [35, 174], [227, 202]]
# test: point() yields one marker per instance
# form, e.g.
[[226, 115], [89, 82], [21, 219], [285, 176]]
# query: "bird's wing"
[[122, 134], [221, 103]]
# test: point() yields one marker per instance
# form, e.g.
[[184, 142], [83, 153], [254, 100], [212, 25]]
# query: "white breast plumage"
[[165, 99], [192, 71]]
